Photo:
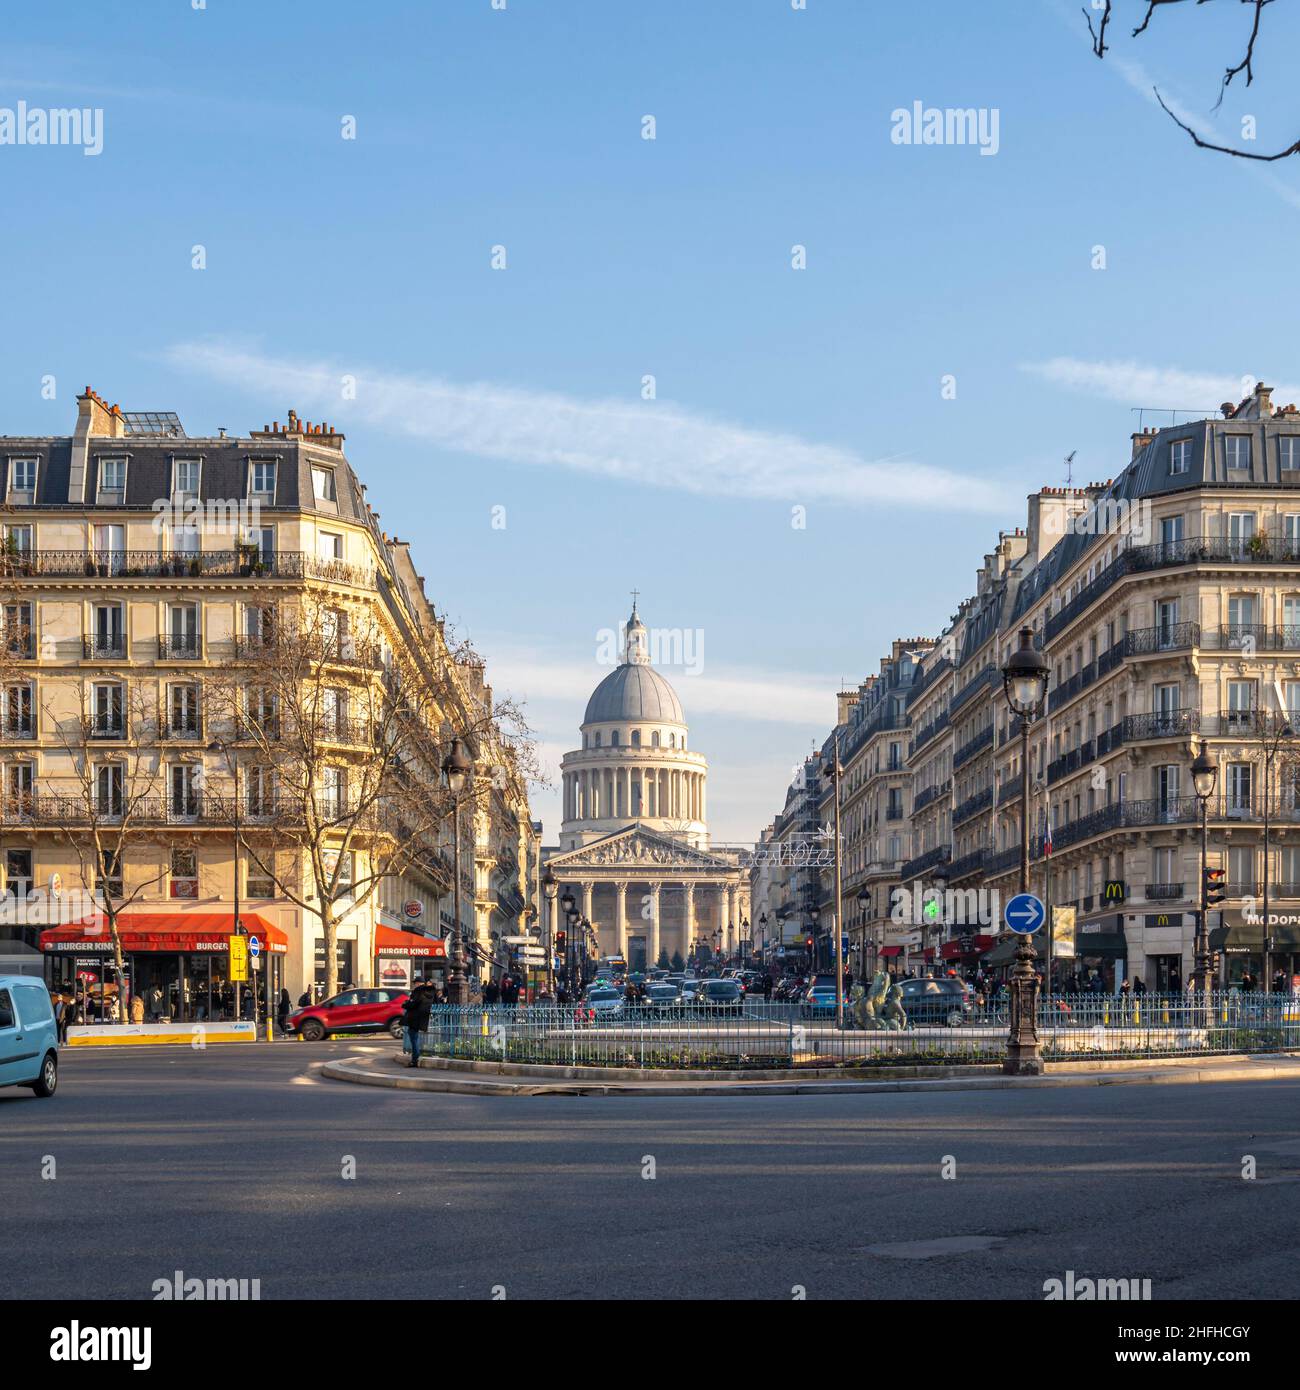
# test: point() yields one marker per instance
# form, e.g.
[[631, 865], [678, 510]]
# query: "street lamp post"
[[835, 772], [762, 939], [1205, 776], [456, 768], [568, 904], [864, 904], [1024, 681], [232, 766], [550, 887]]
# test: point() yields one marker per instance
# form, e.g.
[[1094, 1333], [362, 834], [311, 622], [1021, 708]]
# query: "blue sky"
[[522, 388]]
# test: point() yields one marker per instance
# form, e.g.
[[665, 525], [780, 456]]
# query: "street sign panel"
[[520, 940], [1025, 914], [238, 959], [254, 947]]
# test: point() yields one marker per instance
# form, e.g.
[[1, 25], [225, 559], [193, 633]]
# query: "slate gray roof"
[[631, 692]]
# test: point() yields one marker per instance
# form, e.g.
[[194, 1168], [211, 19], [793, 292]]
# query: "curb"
[[366, 1074]]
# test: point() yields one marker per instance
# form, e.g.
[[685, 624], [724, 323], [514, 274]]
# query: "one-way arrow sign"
[[1025, 914]]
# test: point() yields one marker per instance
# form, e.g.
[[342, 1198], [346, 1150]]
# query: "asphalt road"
[[229, 1163]]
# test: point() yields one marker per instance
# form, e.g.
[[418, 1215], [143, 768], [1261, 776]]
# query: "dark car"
[[930, 1002], [352, 1011], [720, 996]]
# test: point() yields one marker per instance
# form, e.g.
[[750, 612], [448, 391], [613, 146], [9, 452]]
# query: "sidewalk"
[[508, 1079]]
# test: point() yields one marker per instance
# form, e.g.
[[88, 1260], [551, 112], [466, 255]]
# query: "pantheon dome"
[[634, 764]]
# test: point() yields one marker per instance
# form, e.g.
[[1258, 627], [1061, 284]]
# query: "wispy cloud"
[[649, 443], [1142, 383]]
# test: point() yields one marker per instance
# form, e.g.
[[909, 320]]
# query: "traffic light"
[[1214, 891], [808, 941], [561, 941]]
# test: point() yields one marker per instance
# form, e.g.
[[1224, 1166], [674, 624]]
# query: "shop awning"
[[1003, 953], [1286, 937], [162, 931], [389, 941], [1110, 945], [952, 950], [891, 951]]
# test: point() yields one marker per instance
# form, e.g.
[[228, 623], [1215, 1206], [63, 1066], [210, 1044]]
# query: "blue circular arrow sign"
[[254, 947], [1025, 914]]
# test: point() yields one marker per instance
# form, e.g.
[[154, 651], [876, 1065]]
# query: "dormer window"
[[1237, 448], [1288, 448], [322, 484], [185, 480], [1180, 455], [261, 482], [112, 482], [22, 482]]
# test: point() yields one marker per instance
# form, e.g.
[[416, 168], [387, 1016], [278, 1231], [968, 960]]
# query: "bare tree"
[[117, 805], [1106, 11], [337, 742]]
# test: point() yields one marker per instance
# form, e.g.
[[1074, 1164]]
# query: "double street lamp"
[[864, 911], [1024, 682], [550, 887], [1205, 777]]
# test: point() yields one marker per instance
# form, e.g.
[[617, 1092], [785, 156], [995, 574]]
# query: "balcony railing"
[[1163, 892], [931, 859], [180, 647], [1216, 550], [107, 647], [1258, 637], [968, 750], [1169, 637], [931, 731], [207, 564], [973, 805], [990, 675], [1176, 810], [968, 864], [930, 794]]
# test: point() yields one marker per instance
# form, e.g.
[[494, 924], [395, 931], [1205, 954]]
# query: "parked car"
[[720, 996], [352, 1011], [929, 1002], [29, 1039]]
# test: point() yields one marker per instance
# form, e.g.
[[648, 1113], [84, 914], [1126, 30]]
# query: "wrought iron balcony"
[[104, 647], [1163, 892], [1169, 637], [213, 564], [973, 805], [974, 746], [180, 647]]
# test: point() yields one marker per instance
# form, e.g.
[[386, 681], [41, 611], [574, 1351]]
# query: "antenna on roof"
[[1069, 468]]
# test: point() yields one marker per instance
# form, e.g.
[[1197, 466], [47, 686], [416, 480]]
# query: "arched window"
[[672, 740], [636, 738], [597, 743], [654, 739], [613, 739], [584, 740]]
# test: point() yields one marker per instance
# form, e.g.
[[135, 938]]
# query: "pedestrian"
[[1125, 988], [282, 1011], [415, 1017], [61, 1018], [304, 999], [137, 1009], [491, 993], [767, 987], [1139, 987]]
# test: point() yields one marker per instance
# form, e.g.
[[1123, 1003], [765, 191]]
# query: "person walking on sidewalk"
[[283, 1011], [415, 1018]]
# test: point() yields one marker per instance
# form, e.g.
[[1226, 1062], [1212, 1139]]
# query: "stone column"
[[620, 918], [653, 952], [724, 915], [704, 810], [690, 918]]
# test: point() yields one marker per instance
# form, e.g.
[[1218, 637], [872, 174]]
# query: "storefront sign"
[[413, 910], [1113, 892], [1064, 923]]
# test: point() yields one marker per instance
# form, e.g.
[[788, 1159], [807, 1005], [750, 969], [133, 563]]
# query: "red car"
[[352, 1011]]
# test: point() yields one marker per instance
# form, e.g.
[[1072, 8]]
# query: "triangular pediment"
[[638, 846]]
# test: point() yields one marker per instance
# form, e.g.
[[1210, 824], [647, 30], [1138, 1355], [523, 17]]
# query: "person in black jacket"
[[415, 1017]]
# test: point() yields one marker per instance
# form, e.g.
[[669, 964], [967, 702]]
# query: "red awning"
[[391, 942], [163, 931], [951, 950], [891, 950]]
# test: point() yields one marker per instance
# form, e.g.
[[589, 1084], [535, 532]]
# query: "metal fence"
[[773, 1035]]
